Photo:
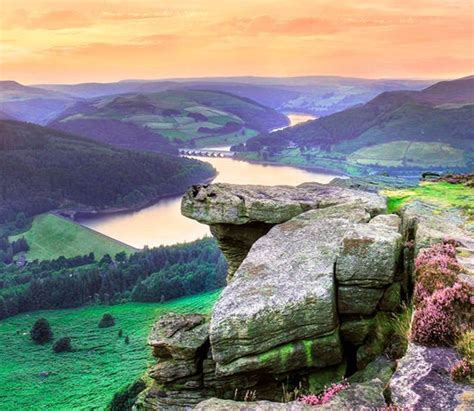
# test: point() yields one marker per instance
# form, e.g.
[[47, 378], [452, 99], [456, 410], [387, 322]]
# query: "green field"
[[51, 236], [409, 154], [187, 118], [101, 364], [442, 194]]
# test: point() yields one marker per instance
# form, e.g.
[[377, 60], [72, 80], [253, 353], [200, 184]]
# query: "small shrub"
[[325, 396], [127, 340], [62, 345], [124, 399], [436, 268], [107, 320], [41, 331], [461, 371], [120, 333], [442, 316]]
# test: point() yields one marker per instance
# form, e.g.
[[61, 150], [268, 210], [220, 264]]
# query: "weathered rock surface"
[[366, 396], [284, 290], [358, 300], [242, 204], [431, 227], [369, 255], [240, 214], [178, 336], [307, 353], [422, 379]]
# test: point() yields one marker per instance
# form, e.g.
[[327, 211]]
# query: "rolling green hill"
[[100, 365], [180, 117], [428, 129], [51, 237], [43, 169]]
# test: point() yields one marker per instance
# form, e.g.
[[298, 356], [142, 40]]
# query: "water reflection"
[[163, 224]]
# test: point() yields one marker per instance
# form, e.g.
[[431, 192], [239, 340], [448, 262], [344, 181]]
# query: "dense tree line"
[[156, 274], [9, 249], [42, 169]]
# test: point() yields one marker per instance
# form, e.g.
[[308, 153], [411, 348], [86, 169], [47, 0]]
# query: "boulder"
[[431, 225], [381, 368], [171, 369], [179, 336], [317, 352], [284, 290], [422, 379], [242, 204], [387, 220], [369, 255], [358, 300]]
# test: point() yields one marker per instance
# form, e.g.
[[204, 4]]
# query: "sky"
[[72, 41]]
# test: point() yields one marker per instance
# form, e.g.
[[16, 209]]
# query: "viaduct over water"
[[205, 153]]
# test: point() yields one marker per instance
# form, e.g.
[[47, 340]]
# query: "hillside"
[[51, 237], [101, 363], [180, 117], [44, 169], [317, 95], [440, 116], [31, 104]]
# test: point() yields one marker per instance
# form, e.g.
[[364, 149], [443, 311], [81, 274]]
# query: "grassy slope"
[[51, 236], [218, 109], [100, 365], [443, 194], [412, 154]]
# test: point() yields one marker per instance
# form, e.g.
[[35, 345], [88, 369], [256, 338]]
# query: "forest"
[[43, 169], [152, 275]]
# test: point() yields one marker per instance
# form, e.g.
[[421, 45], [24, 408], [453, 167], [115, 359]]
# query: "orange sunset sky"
[[107, 40]]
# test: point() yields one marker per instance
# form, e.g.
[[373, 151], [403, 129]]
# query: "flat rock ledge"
[[242, 204], [422, 380]]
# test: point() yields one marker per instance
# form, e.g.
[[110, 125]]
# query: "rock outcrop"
[[238, 215], [310, 266], [422, 380], [315, 271]]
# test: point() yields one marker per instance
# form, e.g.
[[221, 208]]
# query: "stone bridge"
[[205, 153]]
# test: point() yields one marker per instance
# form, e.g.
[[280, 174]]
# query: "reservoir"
[[163, 224]]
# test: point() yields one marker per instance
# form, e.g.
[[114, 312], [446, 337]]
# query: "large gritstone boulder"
[[282, 293], [240, 214]]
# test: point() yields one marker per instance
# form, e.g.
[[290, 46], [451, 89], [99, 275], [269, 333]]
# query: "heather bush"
[[443, 316], [462, 370], [325, 396], [436, 268]]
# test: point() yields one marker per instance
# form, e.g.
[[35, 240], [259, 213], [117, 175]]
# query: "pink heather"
[[325, 396]]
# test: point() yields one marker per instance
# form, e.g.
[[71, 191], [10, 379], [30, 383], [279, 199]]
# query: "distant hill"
[[318, 95], [440, 116], [32, 104], [43, 169], [178, 117]]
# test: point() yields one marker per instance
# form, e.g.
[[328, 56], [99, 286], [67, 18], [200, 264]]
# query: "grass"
[[409, 154], [51, 236], [442, 194], [100, 365]]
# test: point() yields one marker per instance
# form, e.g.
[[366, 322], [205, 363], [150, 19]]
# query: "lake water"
[[163, 224]]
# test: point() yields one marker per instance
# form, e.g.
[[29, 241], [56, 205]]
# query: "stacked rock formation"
[[310, 268]]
